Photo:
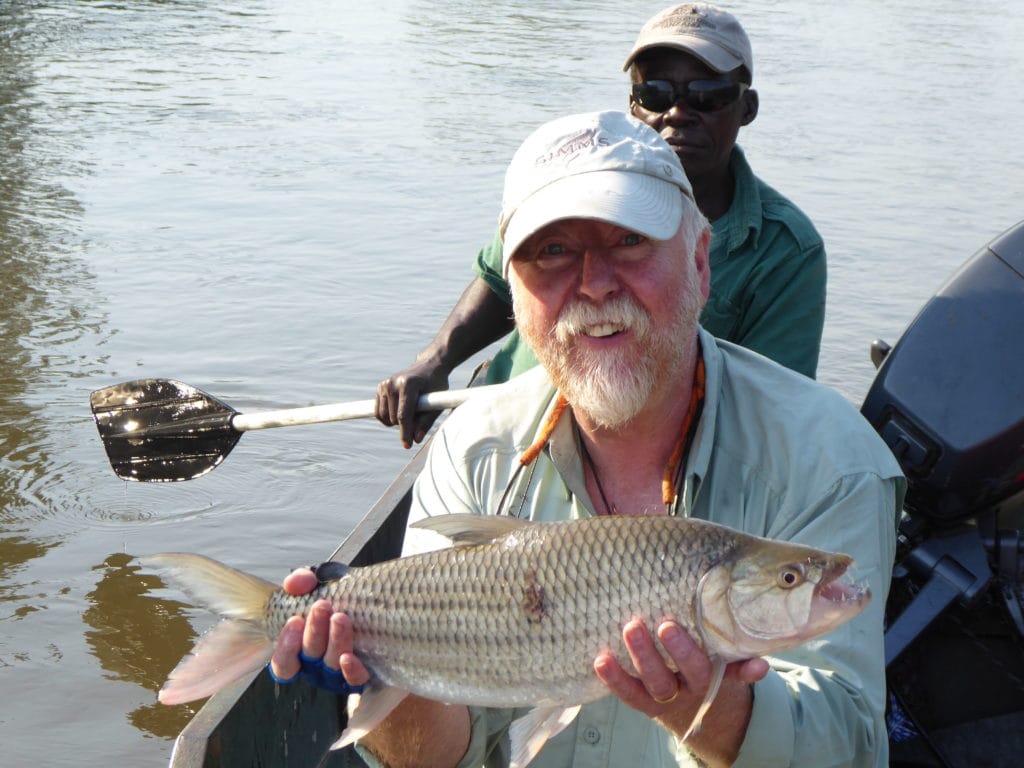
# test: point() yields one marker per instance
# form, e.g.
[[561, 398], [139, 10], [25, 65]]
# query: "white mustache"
[[619, 314]]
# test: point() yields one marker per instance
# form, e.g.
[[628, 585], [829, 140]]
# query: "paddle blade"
[[160, 430]]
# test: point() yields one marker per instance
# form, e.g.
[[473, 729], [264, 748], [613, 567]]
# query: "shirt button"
[[591, 735]]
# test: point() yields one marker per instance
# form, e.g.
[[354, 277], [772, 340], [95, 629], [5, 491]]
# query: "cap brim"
[[634, 201], [710, 53]]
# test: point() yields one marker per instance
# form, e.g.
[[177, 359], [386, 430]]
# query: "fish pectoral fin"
[[529, 733], [367, 710], [718, 672], [471, 529]]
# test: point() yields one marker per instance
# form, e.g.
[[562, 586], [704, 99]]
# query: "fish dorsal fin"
[[472, 529], [529, 733]]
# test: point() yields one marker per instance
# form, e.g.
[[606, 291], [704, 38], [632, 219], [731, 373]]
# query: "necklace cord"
[[670, 480], [534, 450]]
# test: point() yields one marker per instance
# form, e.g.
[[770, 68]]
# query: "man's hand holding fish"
[[675, 698], [325, 634]]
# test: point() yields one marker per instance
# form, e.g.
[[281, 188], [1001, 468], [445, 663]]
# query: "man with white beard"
[[637, 410]]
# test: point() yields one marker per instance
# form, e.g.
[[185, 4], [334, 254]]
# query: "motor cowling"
[[948, 398]]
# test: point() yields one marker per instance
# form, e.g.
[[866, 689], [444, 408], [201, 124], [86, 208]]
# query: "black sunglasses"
[[698, 95]]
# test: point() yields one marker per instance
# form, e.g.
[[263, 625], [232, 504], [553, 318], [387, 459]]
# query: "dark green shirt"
[[768, 279]]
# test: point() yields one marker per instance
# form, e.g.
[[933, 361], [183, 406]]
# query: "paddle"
[[161, 430]]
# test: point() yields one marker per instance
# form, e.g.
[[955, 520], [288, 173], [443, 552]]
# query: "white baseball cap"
[[606, 166]]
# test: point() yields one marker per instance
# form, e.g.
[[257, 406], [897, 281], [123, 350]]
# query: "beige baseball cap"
[[606, 166], [706, 31]]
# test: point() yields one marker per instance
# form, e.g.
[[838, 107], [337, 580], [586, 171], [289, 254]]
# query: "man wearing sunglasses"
[[691, 69]]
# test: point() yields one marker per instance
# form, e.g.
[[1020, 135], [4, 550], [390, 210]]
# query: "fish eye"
[[791, 576]]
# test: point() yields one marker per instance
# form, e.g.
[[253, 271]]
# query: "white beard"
[[611, 387]]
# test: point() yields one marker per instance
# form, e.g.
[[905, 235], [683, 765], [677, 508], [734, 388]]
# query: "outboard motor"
[[948, 399]]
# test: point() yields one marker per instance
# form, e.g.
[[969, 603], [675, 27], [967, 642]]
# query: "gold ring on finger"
[[670, 699]]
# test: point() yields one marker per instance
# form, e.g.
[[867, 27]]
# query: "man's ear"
[[750, 105]]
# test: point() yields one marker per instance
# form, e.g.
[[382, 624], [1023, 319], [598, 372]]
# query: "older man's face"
[[607, 312]]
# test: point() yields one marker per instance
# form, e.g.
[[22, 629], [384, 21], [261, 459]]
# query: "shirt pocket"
[[721, 318]]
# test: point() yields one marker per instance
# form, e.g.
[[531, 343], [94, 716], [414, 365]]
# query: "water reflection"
[[49, 319], [138, 638], [52, 332], [15, 551]]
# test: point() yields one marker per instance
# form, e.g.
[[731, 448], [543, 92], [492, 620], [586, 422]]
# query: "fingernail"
[[673, 637], [633, 633]]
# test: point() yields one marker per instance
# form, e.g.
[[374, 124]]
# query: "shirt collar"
[[564, 450], [699, 458]]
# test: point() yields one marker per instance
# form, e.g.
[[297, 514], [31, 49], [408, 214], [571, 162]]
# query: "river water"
[[278, 201]]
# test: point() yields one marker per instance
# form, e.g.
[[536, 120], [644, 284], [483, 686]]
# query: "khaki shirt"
[[774, 454]]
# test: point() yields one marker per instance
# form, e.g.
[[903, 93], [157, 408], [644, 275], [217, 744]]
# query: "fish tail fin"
[[231, 648], [224, 654]]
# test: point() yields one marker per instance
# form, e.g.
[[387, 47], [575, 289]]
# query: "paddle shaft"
[[161, 430], [359, 409]]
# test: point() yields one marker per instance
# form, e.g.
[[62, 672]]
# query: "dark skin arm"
[[480, 317], [441, 732]]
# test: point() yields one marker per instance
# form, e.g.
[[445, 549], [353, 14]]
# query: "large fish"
[[515, 614]]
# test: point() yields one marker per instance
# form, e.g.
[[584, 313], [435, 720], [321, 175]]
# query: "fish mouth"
[[839, 594], [844, 590]]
